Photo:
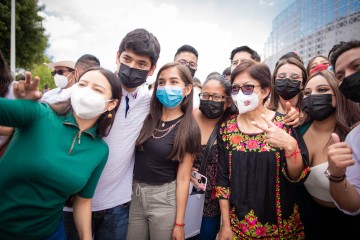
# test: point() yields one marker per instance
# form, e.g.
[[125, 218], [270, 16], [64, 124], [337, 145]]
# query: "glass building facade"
[[312, 27]]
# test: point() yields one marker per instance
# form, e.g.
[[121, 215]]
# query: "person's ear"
[[117, 58], [152, 70], [265, 92], [188, 89], [228, 102], [112, 104], [77, 75]]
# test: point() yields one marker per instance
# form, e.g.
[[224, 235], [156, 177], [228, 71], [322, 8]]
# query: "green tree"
[[31, 40], [44, 73]]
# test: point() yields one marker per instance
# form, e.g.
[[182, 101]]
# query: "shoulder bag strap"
[[208, 147]]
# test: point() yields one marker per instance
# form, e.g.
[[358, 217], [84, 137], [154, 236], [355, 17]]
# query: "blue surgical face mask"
[[170, 97]]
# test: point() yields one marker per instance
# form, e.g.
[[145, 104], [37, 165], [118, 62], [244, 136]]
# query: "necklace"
[[166, 130]]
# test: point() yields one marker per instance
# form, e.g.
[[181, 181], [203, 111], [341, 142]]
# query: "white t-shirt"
[[57, 95], [115, 184]]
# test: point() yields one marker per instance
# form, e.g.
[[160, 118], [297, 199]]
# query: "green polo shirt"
[[47, 160]]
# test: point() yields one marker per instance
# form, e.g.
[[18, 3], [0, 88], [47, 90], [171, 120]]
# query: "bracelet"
[[294, 153], [179, 224], [333, 178]]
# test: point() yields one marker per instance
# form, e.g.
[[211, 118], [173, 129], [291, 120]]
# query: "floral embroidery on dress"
[[222, 192], [238, 141], [239, 148], [250, 227], [211, 204]]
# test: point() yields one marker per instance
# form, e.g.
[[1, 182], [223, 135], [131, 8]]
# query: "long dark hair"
[[104, 123], [187, 139], [347, 112], [5, 76]]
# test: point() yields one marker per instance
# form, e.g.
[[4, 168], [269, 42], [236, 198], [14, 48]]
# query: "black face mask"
[[211, 109], [350, 87], [287, 88], [318, 106], [132, 77], [192, 71]]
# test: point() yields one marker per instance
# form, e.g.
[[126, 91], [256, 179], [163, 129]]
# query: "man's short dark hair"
[[340, 48], [86, 61], [143, 43], [187, 48], [254, 55]]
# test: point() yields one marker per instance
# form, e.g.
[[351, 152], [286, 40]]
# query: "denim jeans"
[[59, 234], [109, 224], [209, 229]]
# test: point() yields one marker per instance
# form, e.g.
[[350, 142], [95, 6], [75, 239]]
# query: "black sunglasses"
[[60, 71]]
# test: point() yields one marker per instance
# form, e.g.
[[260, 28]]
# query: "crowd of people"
[[103, 157]]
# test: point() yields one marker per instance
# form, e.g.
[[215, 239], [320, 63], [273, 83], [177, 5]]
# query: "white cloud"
[[267, 3], [97, 27]]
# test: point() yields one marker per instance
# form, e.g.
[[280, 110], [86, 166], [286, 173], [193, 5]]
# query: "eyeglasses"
[[247, 89], [60, 72], [192, 65], [216, 98]]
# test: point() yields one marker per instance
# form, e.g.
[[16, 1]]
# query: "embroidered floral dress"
[[211, 205], [252, 175]]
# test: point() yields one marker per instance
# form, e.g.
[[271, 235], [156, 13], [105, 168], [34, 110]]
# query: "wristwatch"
[[333, 178]]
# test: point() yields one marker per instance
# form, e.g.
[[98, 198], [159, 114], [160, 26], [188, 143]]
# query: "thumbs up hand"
[[292, 117], [339, 156]]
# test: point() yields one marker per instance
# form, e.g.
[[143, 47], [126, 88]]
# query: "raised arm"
[[344, 193], [296, 169], [5, 131], [28, 88]]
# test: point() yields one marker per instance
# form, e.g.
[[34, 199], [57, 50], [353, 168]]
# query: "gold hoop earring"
[[110, 115]]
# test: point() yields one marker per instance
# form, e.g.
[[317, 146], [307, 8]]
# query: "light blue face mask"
[[170, 97]]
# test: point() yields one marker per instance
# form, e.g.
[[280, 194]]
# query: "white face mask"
[[245, 103], [61, 81], [86, 103]]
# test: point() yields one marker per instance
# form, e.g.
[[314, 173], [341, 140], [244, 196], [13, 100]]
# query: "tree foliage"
[[44, 73], [31, 40]]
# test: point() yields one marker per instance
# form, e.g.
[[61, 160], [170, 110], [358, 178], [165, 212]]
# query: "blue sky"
[[213, 27]]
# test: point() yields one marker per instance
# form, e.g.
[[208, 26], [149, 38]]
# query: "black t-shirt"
[[152, 165]]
